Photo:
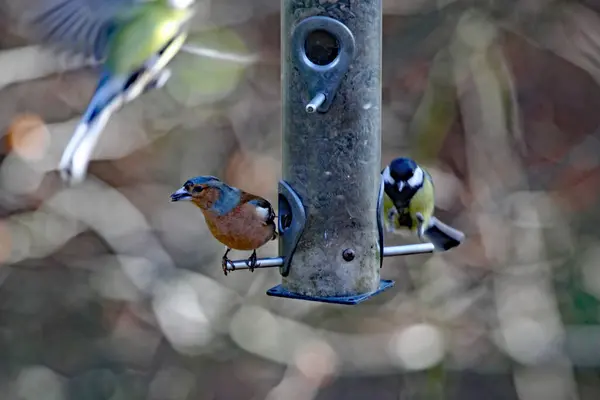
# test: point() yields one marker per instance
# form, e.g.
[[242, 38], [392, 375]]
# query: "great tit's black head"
[[402, 169], [194, 187], [402, 173]]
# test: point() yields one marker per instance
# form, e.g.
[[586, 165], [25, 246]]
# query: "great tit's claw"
[[420, 217], [420, 226]]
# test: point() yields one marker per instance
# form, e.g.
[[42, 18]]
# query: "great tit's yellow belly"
[[422, 202], [240, 229]]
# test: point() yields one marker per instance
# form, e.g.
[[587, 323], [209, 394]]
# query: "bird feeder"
[[331, 194]]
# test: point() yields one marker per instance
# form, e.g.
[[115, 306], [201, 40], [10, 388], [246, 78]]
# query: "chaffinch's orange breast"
[[241, 229]]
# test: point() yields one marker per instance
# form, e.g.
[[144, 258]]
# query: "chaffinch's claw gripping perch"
[[227, 263]]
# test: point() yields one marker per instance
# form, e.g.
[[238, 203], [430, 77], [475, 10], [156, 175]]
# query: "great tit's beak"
[[181, 194]]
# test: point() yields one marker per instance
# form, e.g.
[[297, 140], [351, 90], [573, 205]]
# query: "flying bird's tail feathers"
[[76, 156], [442, 236]]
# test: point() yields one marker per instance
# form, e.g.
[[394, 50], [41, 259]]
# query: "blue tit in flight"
[[239, 220], [133, 39], [410, 202]]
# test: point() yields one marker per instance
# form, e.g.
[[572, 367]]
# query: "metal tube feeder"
[[328, 198]]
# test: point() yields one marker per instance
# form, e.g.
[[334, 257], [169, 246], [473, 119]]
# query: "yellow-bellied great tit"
[[409, 204]]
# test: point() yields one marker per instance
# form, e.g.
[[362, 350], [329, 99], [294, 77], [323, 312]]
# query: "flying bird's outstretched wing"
[[79, 26]]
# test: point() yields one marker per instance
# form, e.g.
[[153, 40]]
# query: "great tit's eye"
[[197, 189]]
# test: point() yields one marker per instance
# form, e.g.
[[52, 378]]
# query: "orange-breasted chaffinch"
[[239, 220]]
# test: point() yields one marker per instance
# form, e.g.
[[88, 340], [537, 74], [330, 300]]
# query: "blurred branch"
[[32, 62], [220, 55]]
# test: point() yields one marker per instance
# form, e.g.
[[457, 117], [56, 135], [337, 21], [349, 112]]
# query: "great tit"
[[409, 204]]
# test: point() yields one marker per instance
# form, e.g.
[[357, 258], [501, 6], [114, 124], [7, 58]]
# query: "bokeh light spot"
[[419, 346], [28, 137]]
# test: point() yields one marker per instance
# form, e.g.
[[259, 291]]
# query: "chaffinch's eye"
[[197, 189]]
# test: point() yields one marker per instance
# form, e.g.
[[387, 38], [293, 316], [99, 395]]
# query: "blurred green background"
[[109, 292]]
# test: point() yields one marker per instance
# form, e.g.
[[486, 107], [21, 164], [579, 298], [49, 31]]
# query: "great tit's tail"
[[76, 156], [442, 236]]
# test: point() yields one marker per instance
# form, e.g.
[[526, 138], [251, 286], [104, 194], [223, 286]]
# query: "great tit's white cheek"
[[387, 178], [417, 179]]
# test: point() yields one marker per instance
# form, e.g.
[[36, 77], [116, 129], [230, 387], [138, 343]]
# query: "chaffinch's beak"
[[180, 195]]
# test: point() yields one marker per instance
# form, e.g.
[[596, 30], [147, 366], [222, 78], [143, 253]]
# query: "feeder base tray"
[[279, 291]]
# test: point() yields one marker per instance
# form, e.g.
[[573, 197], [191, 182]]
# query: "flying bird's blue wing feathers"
[[83, 26], [109, 88], [102, 36], [60, 27]]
